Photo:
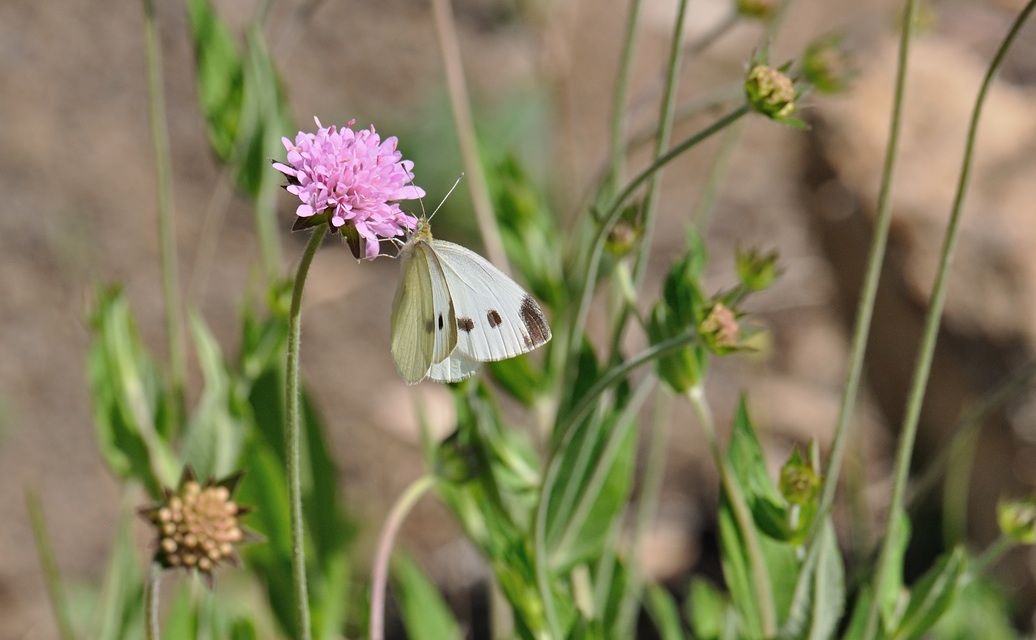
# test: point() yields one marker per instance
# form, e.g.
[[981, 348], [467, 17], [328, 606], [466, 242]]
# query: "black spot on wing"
[[465, 324], [534, 323], [441, 323], [494, 318]]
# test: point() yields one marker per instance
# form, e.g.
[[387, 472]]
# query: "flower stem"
[[665, 129], [622, 88], [166, 219], [743, 516], [49, 565], [379, 579], [466, 137], [154, 577], [908, 430], [298, 551], [611, 216], [869, 290]]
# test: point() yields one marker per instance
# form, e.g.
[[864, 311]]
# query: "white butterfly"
[[454, 310]]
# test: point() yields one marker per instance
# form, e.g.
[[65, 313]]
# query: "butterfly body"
[[453, 310]]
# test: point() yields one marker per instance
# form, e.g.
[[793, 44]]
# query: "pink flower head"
[[355, 177]]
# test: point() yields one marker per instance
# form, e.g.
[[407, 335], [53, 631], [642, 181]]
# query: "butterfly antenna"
[[459, 178]]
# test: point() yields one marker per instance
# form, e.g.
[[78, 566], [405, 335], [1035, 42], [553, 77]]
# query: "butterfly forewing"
[[496, 318], [424, 325]]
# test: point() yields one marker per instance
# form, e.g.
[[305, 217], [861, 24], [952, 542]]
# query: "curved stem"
[[610, 217], [908, 430], [379, 579], [745, 522], [166, 218], [298, 547]]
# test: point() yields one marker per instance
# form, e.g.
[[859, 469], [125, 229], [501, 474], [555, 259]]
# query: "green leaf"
[[664, 613], [893, 598], [181, 619], [592, 478], [219, 76], [709, 612], [734, 559], [213, 439], [130, 397], [933, 595], [424, 612], [982, 610], [121, 612], [819, 596]]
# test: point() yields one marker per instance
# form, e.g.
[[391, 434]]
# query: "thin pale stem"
[[868, 293], [611, 216], [908, 430], [49, 566], [151, 592], [292, 411], [1001, 546], [665, 130], [466, 137], [166, 217], [742, 514], [647, 508], [379, 579], [622, 89]]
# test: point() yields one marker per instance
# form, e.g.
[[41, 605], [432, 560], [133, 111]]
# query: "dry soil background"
[[78, 210]]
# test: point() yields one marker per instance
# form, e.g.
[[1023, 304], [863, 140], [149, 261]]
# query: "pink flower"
[[355, 177]]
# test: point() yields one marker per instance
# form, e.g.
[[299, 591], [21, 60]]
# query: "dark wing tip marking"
[[494, 317], [465, 324], [535, 323]]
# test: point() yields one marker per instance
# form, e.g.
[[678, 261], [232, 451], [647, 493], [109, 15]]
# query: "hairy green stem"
[[166, 217], [292, 437], [868, 293], [908, 430], [742, 514], [379, 578]]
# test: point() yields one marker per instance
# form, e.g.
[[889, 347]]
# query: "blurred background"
[[78, 211]]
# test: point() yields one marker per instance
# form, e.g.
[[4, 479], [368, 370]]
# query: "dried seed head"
[[197, 526]]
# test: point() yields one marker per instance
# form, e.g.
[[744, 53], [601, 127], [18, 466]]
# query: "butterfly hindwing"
[[496, 318], [424, 325]]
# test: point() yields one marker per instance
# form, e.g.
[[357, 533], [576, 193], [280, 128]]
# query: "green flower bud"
[[1017, 519], [756, 271], [799, 482], [758, 9], [827, 65]]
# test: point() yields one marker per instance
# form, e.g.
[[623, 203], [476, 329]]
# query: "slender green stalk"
[[151, 591], [611, 216], [49, 566], [566, 431], [166, 217], [379, 579], [622, 90], [745, 522], [466, 137], [908, 430], [665, 130], [1002, 545], [868, 293], [647, 508], [292, 410]]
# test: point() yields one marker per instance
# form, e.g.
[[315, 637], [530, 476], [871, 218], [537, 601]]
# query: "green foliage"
[[547, 507]]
